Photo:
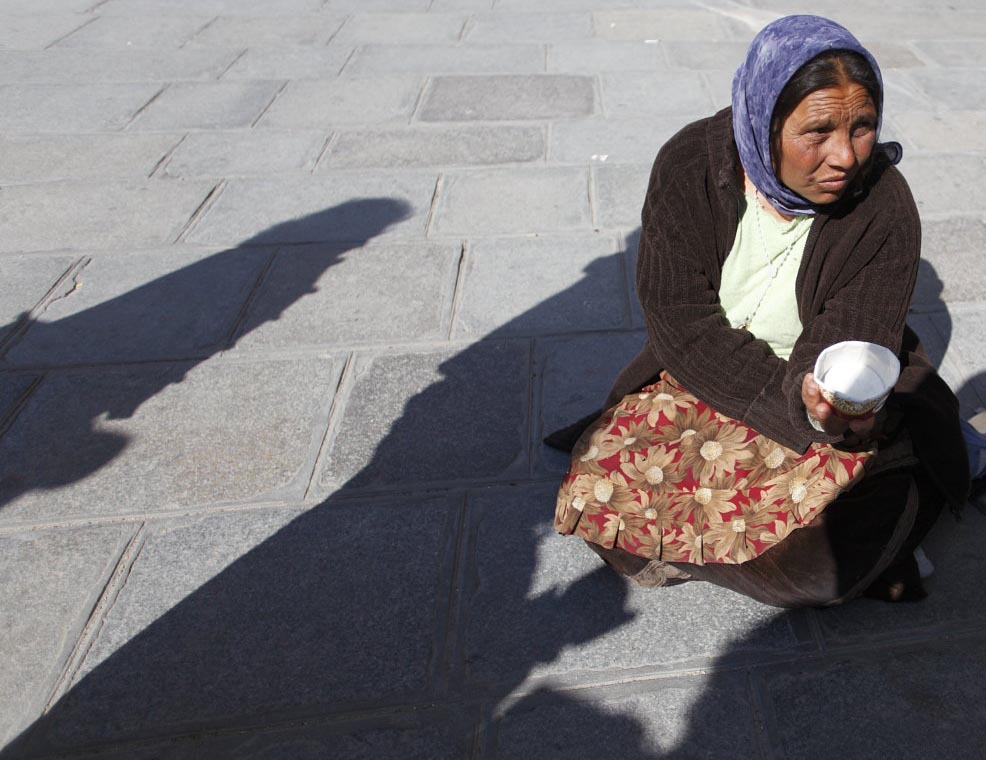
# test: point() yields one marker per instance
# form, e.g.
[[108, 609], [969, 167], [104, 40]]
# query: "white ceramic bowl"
[[856, 377]]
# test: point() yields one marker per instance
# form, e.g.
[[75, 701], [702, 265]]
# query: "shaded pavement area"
[[290, 292]]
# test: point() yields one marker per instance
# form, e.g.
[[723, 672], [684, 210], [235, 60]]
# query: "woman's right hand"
[[822, 411]]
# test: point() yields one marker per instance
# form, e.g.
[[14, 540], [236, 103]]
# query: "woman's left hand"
[[831, 423]]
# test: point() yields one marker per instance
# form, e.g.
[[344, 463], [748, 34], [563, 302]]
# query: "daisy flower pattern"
[[664, 476]]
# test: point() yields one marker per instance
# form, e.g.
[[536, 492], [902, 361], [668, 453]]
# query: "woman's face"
[[825, 140]]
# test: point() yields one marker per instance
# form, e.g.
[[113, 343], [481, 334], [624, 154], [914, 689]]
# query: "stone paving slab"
[[230, 153], [911, 23], [701, 717], [208, 105], [667, 24], [401, 28], [169, 304], [411, 297], [384, 6], [37, 32], [43, 7], [507, 98], [528, 27], [894, 56], [702, 55], [289, 63], [236, 617], [436, 146], [632, 94], [325, 103], [34, 108], [952, 268], [135, 32], [419, 418], [30, 158], [334, 207], [952, 52], [903, 93], [439, 734], [925, 708], [13, 387], [940, 182], [575, 374], [953, 89], [593, 56], [512, 201], [210, 7], [579, 286], [954, 369], [26, 280], [137, 440], [375, 58], [50, 216], [620, 192], [964, 371], [281, 31], [548, 582], [52, 580], [954, 132], [956, 596], [72, 65], [606, 141]]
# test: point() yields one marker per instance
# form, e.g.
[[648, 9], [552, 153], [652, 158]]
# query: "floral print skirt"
[[664, 476]]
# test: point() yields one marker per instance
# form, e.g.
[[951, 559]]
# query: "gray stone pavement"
[[290, 292]]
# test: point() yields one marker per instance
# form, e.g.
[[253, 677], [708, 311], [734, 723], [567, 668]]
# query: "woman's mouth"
[[834, 185]]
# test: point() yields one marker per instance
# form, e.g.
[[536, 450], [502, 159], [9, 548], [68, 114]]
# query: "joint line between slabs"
[[433, 207], [146, 105], [230, 339], [330, 141], [273, 100], [65, 36], [232, 63], [333, 420], [457, 288], [202, 209], [592, 200], [349, 58], [199, 31], [622, 243], [28, 318], [166, 158], [448, 640], [97, 616]]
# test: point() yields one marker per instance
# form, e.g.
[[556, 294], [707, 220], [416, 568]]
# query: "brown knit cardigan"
[[856, 278]]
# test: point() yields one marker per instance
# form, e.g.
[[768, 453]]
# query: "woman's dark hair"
[[828, 69]]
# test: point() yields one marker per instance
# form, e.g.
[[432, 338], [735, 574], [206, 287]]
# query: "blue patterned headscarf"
[[776, 53]]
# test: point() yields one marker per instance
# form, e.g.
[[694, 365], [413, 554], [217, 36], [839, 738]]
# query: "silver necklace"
[[772, 269]]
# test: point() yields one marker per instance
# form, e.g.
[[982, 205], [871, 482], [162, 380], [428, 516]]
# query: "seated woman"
[[770, 231]]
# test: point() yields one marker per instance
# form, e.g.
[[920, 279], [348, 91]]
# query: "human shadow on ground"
[[402, 609], [177, 321], [392, 592]]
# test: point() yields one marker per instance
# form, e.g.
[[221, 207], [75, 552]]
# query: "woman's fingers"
[[810, 393], [819, 408]]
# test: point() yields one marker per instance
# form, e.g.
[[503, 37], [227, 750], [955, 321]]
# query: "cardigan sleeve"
[[677, 282], [870, 298]]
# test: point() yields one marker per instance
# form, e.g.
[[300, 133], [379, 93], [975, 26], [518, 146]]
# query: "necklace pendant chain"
[[772, 269]]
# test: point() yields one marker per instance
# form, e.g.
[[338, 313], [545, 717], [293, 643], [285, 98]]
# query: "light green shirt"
[[763, 242]]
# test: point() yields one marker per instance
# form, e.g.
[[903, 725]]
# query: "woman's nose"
[[842, 154]]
